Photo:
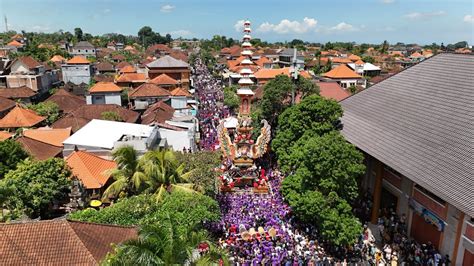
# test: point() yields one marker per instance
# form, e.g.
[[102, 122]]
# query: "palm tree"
[[128, 174], [165, 243], [164, 173], [156, 172]]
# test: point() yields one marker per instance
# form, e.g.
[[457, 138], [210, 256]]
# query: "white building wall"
[[76, 74]]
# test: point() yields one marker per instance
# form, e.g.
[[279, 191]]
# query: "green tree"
[[155, 172], [111, 116], [352, 89], [276, 95], [78, 34], [37, 185], [201, 165], [165, 243], [48, 109], [231, 99], [368, 59], [323, 184], [11, 153], [314, 115]]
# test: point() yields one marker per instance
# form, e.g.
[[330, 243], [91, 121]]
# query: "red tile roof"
[[132, 77], [59, 242], [57, 58], [52, 136], [38, 149], [148, 90], [157, 113], [339, 60], [4, 135], [104, 66], [354, 57], [270, 73], [66, 101], [263, 60], [332, 90], [105, 87], [76, 60], [164, 79], [20, 117], [92, 170], [122, 65], [341, 72], [17, 93], [84, 114], [6, 104], [160, 47], [180, 92], [118, 57], [29, 61], [128, 69], [15, 43]]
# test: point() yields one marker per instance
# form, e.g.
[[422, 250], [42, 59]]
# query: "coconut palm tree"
[[128, 175], [165, 243], [156, 172], [164, 173]]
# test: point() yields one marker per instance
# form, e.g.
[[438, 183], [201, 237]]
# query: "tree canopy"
[[48, 109], [11, 153], [35, 186], [231, 99]]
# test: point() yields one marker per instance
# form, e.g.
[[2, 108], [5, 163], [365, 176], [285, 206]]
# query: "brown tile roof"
[[15, 43], [132, 77], [84, 114], [78, 60], [179, 55], [332, 90], [20, 117], [265, 73], [6, 104], [17, 93], [57, 58], [341, 71], [66, 101], [39, 149], [164, 79], [4, 135], [339, 60], [160, 47], [52, 136], [263, 60], [105, 87], [59, 242], [354, 57], [128, 69], [122, 65], [29, 61], [180, 92], [103, 77], [157, 113], [104, 66], [118, 57], [149, 90], [92, 170]]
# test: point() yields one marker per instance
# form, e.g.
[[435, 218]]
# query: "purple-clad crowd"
[[211, 110]]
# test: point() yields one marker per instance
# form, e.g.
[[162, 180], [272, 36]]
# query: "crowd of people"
[[210, 94], [259, 229]]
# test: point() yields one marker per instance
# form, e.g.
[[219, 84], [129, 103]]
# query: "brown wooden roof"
[[81, 116], [38, 149], [66, 101], [59, 242], [6, 104], [17, 93]]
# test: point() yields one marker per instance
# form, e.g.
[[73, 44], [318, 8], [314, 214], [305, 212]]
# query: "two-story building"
[[83, 48], [345, 76], [415, 129], [176, 69], [26, 71], [77, 70]]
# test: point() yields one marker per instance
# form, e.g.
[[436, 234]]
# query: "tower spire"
[[245, 92]]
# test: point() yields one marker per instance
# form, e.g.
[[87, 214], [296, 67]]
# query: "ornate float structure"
[[240, 152]]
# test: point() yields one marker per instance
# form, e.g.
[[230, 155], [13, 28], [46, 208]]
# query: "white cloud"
[[167, 8], [424, 15], [40, 28], [388, 1], [469, 18], [181, 33], [286, 26], [343, 27], [239, 25], [106, 11]]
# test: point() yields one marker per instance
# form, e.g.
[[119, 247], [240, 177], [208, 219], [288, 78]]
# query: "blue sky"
[[409, 21]]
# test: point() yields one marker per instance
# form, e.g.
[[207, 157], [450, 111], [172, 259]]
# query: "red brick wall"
[[470, 231], [392, 178], [430, 204]]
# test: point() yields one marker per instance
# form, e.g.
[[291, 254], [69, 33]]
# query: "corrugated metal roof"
[[421, 123]]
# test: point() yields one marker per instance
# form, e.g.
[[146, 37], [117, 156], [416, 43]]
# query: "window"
[[86, 51], [431, 195], [79, 51]]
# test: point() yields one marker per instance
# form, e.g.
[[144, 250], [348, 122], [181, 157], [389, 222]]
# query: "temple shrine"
[[239, 149]]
